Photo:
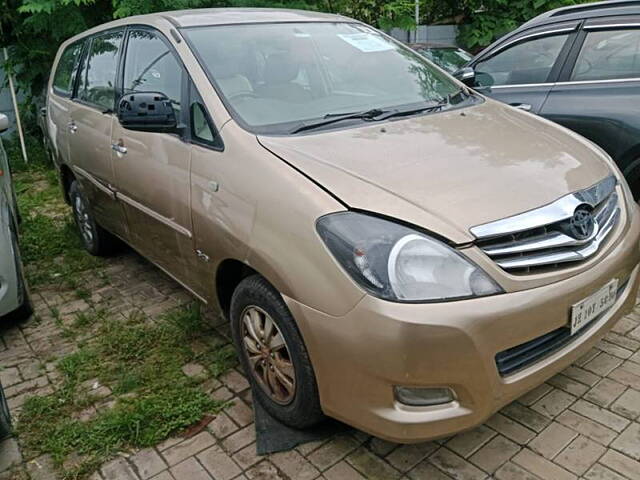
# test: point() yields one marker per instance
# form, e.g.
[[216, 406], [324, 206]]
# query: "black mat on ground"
[[272, 436]]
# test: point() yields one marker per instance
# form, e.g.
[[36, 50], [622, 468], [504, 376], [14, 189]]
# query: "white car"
[[14, 295]]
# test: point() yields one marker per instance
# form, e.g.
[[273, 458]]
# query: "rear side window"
[[65, 70], [608, 55], [97, 83], [527, 62]]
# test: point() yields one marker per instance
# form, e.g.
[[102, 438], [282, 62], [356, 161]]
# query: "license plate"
[[586, 310]]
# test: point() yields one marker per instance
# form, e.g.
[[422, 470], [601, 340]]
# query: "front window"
[[524, 63], [276, 76]]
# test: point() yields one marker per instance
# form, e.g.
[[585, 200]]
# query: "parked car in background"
[[448, 57], [390, 248], [578, 66], [14, 295], [5, 416]]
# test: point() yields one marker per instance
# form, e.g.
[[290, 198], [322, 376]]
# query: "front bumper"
[[359, 357]]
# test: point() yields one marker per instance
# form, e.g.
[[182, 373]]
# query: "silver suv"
[[14, 298]]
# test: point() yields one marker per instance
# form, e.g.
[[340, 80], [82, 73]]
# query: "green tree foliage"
[[486, 20]]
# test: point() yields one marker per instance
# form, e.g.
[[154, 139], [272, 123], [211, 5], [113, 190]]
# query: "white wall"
[[445, 34]]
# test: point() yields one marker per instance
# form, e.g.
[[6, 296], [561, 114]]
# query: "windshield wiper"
[[329, 118]]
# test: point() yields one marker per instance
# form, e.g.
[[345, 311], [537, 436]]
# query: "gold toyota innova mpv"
[[391, 248]]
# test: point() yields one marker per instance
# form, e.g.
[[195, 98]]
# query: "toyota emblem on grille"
[[581, 224]]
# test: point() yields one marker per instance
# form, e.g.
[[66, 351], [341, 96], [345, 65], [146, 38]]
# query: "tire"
[[254, 301], [5, 417], [95, 239]]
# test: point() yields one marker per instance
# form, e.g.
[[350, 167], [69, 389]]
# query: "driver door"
[[521, 71], [152, 169]]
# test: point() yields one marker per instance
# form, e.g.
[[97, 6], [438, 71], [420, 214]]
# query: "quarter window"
[[63, 78], [150, 66], [202, 129], [97, 85], [608, 55], [524, 63]]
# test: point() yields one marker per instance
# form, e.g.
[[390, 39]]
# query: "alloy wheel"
[[84, 221], [268, 355]]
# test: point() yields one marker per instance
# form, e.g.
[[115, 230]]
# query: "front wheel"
[[273, 354], [95, 239]]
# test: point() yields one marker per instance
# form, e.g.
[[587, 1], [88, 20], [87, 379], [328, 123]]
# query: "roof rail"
[[585, 7]]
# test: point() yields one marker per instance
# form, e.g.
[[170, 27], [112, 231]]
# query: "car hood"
[[449, 171]]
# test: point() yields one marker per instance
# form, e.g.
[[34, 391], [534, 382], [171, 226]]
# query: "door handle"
[[73, 128], [521, 106], [119, 148]]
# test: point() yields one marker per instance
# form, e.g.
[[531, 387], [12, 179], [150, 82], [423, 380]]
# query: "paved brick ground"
[[583, 423]]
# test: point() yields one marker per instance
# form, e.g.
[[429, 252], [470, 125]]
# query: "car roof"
[[585, 10], [227, 16], [199, 17]]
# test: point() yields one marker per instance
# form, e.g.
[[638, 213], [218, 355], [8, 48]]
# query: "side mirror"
[[466, 75], [4, 123], [147, 112]]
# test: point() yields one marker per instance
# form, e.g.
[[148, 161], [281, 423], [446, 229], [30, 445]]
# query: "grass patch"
[[141, 361], [49, 241]]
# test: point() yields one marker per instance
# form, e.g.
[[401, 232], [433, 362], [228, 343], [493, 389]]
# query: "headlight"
[[400, 264]]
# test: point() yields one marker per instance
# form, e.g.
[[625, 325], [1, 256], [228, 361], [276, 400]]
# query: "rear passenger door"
[[521, 70], [90, 125], [598, 93], [59, 99]]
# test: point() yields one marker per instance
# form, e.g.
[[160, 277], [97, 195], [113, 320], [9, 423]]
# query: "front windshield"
[[276, 76]]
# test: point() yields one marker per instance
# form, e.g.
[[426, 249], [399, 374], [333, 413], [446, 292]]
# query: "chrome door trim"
[[155, 215], [520, 85], [595, 82], [527, 37], [561, 209], [95, 182], [611, 25], [568, 82]]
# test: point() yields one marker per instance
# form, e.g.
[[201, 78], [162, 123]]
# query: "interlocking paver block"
[[541, 467], [454, 465], [148, 463], [218, 463], [494, 454], [605, 392], [465, 444], [553, 403], [580, 455], [552, 440], [511, 429], [118, 469], [10, 455], [587, 427], [371, 466], [622, 464], [629, 441], [189, 469], [295, 465], [188, 448], [628, 404]]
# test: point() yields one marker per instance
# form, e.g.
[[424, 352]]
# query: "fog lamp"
[[423, 397]]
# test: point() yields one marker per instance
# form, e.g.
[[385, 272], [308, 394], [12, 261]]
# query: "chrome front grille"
[[571, 229]]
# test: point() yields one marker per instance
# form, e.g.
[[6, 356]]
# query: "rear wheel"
[[273, 354], [95, 239]]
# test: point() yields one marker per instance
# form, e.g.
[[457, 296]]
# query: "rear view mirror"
[[147, 112], [4, 123], [466, 75]]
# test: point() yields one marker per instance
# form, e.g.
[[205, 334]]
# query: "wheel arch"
[[229, 274], [66, 179]]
